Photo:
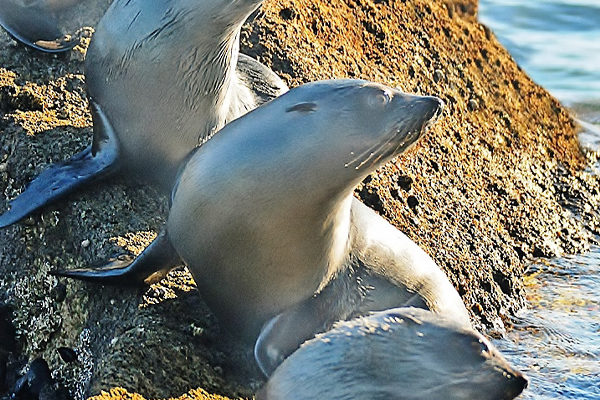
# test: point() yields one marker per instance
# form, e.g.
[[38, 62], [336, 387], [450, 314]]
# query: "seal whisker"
[[364, 161], [381, 147], [361, 155], [393, 135], [369, 151]]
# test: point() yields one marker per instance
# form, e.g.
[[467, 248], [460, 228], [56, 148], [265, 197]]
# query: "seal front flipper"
[[149, 267], [264, 83], [340, 299], [94, 162], [34, 25]]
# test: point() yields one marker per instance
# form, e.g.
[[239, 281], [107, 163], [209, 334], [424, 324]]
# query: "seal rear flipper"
[[264, 83], [34, 25], [58, 180], [150, 266]]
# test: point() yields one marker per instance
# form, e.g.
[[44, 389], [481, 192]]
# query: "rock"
[[492, 186], [67, 354]]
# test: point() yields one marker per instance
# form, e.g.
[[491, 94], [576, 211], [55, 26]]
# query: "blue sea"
[[556, 340]]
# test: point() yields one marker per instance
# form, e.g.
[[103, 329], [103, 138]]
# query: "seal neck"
[[217, 85], [337, 231]]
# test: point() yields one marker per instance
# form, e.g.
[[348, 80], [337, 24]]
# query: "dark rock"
[[412, 202], [165, 341], [67, 354]]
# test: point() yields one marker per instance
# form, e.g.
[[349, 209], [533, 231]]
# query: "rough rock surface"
[[500, 179]]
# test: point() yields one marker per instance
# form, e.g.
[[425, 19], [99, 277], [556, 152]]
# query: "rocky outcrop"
[[499, 180]]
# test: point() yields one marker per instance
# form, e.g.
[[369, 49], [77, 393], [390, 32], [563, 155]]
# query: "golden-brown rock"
[[494, 183]]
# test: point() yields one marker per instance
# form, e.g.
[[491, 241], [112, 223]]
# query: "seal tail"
[[34, 25], [152, 265], [95, 162]]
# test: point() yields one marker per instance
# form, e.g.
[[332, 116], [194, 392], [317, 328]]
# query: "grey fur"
[[403, 354], [385, 270], [165, 76], [262, 212]]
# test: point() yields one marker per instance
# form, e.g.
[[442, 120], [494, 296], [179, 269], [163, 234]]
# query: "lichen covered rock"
[[497, 181]]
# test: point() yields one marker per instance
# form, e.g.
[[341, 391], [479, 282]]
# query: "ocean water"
[[556, 41], [556, 340]]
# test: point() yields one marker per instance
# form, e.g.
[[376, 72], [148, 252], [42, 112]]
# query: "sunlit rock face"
[[481, 193]]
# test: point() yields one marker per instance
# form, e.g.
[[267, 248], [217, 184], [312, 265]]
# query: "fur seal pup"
[[162, 76], [403, 353], [34, 23], [263, 213]]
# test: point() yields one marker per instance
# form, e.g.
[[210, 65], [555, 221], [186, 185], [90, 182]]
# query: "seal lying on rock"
[[163, 77], [403, 353], [34, 23], [264, 217]]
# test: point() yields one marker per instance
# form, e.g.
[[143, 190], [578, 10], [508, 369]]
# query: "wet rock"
[[67, 354], [510, 179], [38, 384]]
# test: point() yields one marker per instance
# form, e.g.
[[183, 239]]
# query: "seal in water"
[[402, 353], [163, 77], [264, 217], [34, 23]]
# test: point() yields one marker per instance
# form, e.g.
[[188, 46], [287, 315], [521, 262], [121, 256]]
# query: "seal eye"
[[303, 107], [381, 99]]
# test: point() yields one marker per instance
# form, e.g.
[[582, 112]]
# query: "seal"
[[402, 353], [263, 213], [163, 77], [35, 24], [384, 269]]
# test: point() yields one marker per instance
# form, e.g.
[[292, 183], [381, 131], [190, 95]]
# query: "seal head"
[[35, 24], [403, 353]]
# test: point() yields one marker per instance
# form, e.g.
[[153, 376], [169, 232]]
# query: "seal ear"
[[303, 107]]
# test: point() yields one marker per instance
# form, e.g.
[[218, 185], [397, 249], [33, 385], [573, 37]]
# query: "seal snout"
[[434, 106], [512, 381], [431, 108], [517, 383]]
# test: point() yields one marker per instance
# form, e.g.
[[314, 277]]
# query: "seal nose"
[[516, 382], [440, 106], [435, 106], [429, 107], [520, 382]]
